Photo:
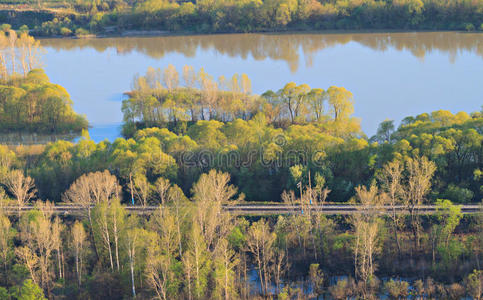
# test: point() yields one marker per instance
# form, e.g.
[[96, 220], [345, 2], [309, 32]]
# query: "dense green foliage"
[[258, 139], [34, 104], [250, 15]]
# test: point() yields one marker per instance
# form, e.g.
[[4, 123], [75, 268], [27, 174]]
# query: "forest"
[[191, 248], [82, 17], [194, 144]]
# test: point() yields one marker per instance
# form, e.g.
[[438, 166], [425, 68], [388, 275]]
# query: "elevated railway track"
[[273, 209]]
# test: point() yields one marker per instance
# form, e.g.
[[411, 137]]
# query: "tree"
[[341, 102], [7, 234], [260, 242], [135, 241], [449, 217], [21, 186], [384, 131], [317, 279], [41, 236], [181, 209], [367, 234], [420, 172], [79, 244], [101, 225], [474, 284], [225, 262], [7, 159], [162, 271], [92, 189], [391, 177], [197, 263], [210, 192], [293, 97], [142, 188], [316, 99], [171, 78], [161, 186], [29, 52]]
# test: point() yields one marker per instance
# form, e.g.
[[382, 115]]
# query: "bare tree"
[[225, 262], [181, 208], [189, 77], [188, 269], [161, 186], [57, 228], [135, 241], [41, 238], [91, 189], [21, 186], [391, 178], [79, 243], [30, 260], [29, 51], [420, 172], [142, 189], [159, 271], [101, 223], [3, 56], [170, 78], [117, 216], [367, 226], [210, 192], [12, 40], [260, 243], [210, 95]]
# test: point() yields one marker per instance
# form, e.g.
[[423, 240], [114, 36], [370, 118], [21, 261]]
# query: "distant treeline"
[[206, 16]]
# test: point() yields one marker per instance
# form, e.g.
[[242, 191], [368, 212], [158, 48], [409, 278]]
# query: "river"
[[392, 75]]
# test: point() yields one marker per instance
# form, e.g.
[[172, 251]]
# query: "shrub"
[[396, 289], [474, 284], [469, 27], [429, 287], [456, 291], [81, 32], [65, 31], [342, 289], [23, 28], [419, 287], [440, 291], [458, 194]]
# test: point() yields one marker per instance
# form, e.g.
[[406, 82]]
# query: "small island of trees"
[[29, 102]]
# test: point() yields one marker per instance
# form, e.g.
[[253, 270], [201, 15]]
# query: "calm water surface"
[[392, 75]]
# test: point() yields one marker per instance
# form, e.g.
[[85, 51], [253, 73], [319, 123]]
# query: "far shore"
[[162, 33]]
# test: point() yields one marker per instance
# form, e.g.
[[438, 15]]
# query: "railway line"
[[273, 209]]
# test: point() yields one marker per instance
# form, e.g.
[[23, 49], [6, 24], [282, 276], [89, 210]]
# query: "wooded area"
[[208, 16], [193, 249]]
